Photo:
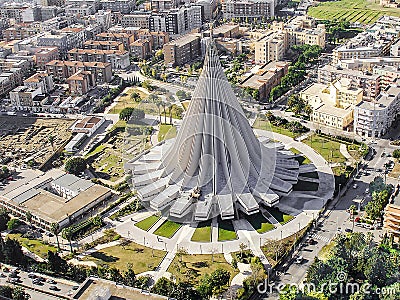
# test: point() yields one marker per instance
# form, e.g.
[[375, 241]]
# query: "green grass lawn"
[[167, 229], [196, 265], [306, 186], [147, 223], [202, 232], [33, 245], [259, 222], [363, 11], [95, 151], [330, 150], [226, 231], [141, 258], [266, 125], [166, 132], [278, 215]]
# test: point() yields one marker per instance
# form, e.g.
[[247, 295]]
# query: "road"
[[334, 220], [41, 291]]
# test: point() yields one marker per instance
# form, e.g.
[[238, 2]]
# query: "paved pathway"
[[345, 153]]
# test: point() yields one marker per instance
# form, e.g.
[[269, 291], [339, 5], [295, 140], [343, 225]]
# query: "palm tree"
[[55, 229], [67, 232], [51, 140]]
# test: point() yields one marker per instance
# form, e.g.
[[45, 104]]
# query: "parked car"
[[299, 260], [53, 288], [355, 186]]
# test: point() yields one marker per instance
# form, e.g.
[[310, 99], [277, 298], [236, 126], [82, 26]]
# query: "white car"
[[299, 260], [355, 186]]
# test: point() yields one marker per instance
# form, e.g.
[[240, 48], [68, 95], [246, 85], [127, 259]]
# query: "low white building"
[[373, 119], [88, 125]]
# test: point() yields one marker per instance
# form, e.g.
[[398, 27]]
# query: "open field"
[[202, 232], [33, 245], [330, 150], [24, 139], [395, 173], [194, 266], [167, 229], [125, 100], [166, 132], [361, 11], [266, 125], [147, 223], [226, 231], [141, 258]]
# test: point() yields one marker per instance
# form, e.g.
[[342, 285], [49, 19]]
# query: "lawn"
[[259, 222], [362, 11], [325, 252], [126, 101], [279, 216], [196, 265], [33, 245], [202, 232], [330, 150], [185, 104], [306, 186], [266, 125], [167, 229], [226, 231], [147, 223], [166, 132], [141, 258]]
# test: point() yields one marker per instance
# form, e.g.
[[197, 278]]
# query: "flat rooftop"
[[55, 208]]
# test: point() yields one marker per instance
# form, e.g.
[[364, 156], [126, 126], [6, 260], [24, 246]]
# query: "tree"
[[130, 113], [13, 223], [29, 217], [181, 95], [396, 153], [129, 277], [67, 232], [4, 218], [181, 252], [75, 165], [55, 229], [51, 141], [214, 283], [56, 263], [135, 96], [242, 248], [164, 287]]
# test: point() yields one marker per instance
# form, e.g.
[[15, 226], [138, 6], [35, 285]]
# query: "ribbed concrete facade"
[[216, 165]]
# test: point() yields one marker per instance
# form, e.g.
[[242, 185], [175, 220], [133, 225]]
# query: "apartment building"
[[20, 32], [122, 6], [391, 217], [332, 105], [12, 73], [43, 55], [81, 82], [140, 20], [15, 11], [376, 40], [23, 97], [182, 50], [64, 40], [164, 4], [104, 45], [273, 44], [117, 59], [80, 11], [177, 21], [40, 80], [157, 39], [140, 49], [387, 74], [125, 38], [367, 64], [373, 119], [266, 77], [62, 70], [224, 31], [248, 10], [104, 19], [370, 83], [271, 47]]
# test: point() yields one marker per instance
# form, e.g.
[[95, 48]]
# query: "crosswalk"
[[320, 237]]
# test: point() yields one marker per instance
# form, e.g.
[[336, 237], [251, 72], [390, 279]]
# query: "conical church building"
[[216, 165]]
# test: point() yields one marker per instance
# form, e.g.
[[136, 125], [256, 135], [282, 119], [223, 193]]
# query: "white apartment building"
[[136, 20], [373, 119], [367, 64], [248, 10]]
